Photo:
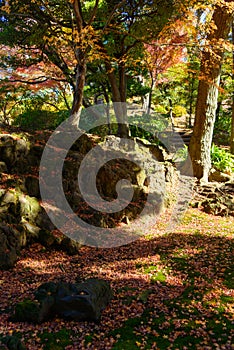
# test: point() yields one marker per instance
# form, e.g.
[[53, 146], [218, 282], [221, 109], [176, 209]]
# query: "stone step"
[[185, 135]]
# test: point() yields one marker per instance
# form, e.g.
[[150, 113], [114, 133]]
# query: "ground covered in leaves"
[[172, 290]]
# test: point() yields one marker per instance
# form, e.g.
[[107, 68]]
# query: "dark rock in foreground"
[[11, 342], [79, 301]]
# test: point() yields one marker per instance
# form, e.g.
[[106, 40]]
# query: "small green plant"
[[221, 159], [158, 277], [181, 154]]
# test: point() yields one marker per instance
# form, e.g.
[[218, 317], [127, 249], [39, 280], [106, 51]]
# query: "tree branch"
[[38, 80], [93, 15], [78, 15], [112, 14]]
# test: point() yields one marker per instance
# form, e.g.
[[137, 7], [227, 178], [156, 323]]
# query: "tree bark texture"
[[200, 144], [232, 130], [118, 89], [79, 89], [80, 50], [232, 122]]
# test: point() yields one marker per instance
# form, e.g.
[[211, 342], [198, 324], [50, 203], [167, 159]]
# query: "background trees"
[[67, 35], [93, 51]]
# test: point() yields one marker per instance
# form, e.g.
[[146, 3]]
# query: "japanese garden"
[[116, 174]]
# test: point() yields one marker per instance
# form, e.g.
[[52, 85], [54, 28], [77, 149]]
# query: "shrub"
[[221, 159], [222, 127], [40, 119], [179, 111], [160, 109]]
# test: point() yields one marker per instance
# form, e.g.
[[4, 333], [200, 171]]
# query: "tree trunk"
[[232, 130], [200, 144], [119, 99], [81, 49], [191, 98], [232, 123], [149, 95], [79, 89]]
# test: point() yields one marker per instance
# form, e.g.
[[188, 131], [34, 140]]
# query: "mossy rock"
[[78, 301], [29, 207], [12, 343], [27, 310], [46, 238], [70, 246]]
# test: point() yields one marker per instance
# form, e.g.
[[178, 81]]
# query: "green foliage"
[[179, 111], [223, 122], [135, 88], [221, 159], [144, 126], [148, 125], [176, 88], [181, 154], [40, 119], [160, 109], [158, 277], [222, 127]]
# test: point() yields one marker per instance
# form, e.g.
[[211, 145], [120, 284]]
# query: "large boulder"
[[131, 160], [73, 301], [19, 214]]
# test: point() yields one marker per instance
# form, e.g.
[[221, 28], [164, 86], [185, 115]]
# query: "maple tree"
[[69, 34], [165, 52], [22, 86]]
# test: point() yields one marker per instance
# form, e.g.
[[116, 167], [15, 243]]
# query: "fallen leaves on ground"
[[172, 290]]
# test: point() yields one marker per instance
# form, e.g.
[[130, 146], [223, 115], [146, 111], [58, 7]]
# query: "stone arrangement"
[[215, 198]]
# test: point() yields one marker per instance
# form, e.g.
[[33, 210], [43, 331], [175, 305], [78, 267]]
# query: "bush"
[[179, 111], [40, 119], [160, 109], [222, 128], [221, 159]]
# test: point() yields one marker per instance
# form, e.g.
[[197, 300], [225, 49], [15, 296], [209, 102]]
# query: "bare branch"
[[38, 80]]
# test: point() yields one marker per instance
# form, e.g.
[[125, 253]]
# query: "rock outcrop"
[[23, 219], [215, 198]]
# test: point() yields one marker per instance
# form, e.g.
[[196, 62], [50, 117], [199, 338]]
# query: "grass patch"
[[158, 277], [56, 341], [126, 336]]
